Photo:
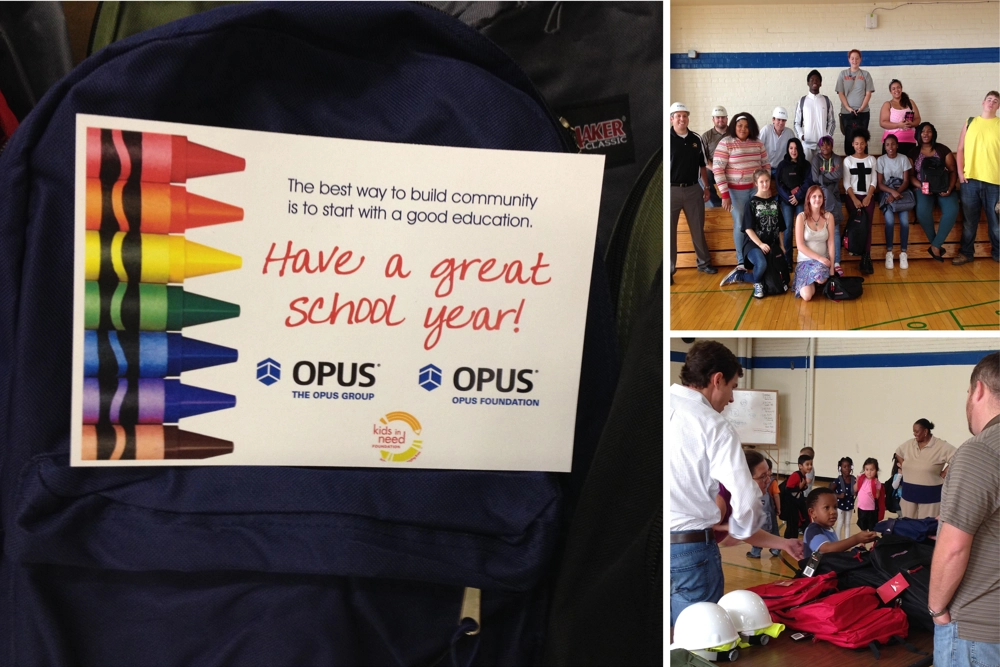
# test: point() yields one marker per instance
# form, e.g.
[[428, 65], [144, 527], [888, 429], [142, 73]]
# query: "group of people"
[[960, 486], [800, 201]]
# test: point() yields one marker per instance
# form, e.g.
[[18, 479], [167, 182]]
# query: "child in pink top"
[[867, 489]]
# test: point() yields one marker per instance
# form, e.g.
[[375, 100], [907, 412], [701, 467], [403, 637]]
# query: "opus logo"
[[430, 377], [268, 371]]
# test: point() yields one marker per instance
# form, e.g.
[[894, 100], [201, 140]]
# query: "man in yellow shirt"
[[978, 157]]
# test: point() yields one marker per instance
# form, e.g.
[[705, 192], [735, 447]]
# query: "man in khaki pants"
[[687, 164]]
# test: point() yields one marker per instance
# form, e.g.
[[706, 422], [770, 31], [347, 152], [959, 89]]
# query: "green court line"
[[952, 313], [749, 299], [975, 326], [719, 290], [913, 317]]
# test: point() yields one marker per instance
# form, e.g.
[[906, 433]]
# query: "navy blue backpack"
[[254, 565]]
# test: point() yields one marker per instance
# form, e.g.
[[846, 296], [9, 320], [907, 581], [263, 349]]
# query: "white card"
[[430, 313]]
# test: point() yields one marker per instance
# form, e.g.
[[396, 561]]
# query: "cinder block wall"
[[923, 45]]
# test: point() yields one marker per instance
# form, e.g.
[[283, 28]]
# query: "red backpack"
[[779, 595], [838, 610]]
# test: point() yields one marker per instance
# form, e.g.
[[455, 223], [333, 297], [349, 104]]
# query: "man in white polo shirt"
[[704, 451]]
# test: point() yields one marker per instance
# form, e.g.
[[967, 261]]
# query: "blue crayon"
[[159, 354]]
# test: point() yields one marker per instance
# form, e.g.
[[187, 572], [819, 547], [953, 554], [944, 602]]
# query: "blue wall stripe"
[[838, 59], [898, 360], [781, 362], [902, 360]]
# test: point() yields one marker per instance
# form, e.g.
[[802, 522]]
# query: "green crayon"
[[149, 307]]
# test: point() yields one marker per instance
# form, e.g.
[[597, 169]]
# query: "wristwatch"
[[935, 614]]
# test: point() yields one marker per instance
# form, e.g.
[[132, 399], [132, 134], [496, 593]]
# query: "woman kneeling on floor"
[[814, 236], [763, 224]]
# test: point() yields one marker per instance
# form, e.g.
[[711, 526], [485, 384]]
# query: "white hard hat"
[[747, 610], [677, 106], [702, 626], [720, 111], [780, 113]]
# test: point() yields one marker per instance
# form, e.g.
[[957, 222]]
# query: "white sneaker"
[[903, 264], [888, 260]]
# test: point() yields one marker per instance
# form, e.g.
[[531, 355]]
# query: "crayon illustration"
[[155, 355], [149, 157], [147, 443], [148, 307], [154, 208], [148, 401], [152, 258]]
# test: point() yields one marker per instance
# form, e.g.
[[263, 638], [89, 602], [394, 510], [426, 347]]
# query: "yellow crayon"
[[154, 258]]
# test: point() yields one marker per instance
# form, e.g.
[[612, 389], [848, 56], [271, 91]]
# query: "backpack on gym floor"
[[856, 232], [843, 288], [253, 565]]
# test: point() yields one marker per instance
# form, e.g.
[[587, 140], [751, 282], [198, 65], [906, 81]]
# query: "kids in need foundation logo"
[[396, 436]]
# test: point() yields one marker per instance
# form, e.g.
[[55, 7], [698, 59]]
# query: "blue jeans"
[[977, 195], [904, 228], [695, 576], [788, 212], [739, 199], [759, 261], [773, 529], [925, 215], [950, 651]]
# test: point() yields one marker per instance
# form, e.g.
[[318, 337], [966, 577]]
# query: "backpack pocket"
[[274, 565]]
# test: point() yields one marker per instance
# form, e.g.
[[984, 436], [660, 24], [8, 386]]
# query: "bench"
[[719, 236]]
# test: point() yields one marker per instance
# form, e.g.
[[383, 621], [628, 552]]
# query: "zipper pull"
[[470, 608], [572, 134]]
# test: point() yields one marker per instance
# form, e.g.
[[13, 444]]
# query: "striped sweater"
[[734, 163]]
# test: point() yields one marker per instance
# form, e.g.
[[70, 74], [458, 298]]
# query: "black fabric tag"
[[603, 126]]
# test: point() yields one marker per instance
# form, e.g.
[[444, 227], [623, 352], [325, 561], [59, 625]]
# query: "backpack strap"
[[969, 122]]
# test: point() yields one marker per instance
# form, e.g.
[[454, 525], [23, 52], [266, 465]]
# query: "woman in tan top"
[[926, 457]]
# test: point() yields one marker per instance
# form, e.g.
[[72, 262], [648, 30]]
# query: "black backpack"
[[843, 288], [934, 172], [776, 276], [856, 232]]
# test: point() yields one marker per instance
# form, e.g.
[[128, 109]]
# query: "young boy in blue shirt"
[[819, 535]]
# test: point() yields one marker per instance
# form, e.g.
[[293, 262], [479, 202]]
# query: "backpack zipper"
[[471, 598]]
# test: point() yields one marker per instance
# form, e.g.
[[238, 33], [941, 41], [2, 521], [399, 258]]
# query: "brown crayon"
[[111, 442]]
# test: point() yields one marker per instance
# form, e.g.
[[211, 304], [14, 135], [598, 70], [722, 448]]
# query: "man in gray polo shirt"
[[964, 596], [711, 139], [775, 138]]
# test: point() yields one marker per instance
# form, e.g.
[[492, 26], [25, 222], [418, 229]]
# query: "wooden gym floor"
[[929, 295]]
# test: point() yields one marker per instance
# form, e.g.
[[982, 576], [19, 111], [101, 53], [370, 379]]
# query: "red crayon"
[[113, 155]]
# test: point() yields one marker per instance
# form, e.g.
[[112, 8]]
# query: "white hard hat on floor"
[[704, 628]]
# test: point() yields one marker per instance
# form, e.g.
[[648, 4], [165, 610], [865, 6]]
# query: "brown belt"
[[689, 536]]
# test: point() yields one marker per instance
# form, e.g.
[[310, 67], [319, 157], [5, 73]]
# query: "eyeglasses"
[[761, 478]]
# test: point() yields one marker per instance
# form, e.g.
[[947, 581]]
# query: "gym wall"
[[868, 392], [755, 56]]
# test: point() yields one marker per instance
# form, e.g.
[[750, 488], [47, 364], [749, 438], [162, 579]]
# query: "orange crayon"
[[153, 208]]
